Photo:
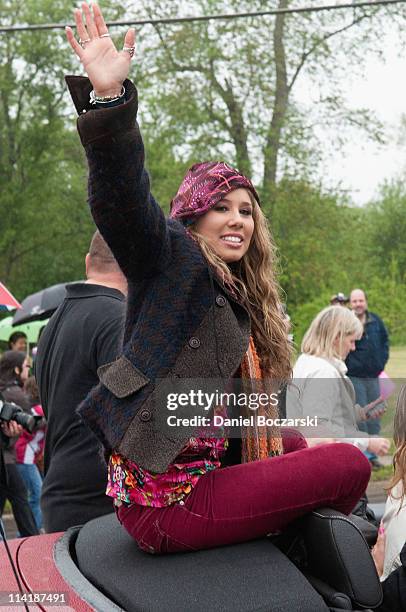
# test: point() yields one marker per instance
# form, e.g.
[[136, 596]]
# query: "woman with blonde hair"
[[321, 387], [203, 303]]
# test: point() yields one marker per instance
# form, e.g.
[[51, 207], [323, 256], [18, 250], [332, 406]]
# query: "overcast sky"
[[363, 166]]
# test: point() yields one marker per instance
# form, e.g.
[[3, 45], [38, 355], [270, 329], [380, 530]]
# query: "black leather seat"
[[254, 576], [337, 571]]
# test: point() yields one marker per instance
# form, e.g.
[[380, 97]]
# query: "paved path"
[[376, 491], [9, 526]]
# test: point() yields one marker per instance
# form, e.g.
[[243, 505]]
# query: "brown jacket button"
[[145, 415], [194, 342], [221, 300]]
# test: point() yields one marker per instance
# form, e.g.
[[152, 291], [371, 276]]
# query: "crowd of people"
[[193, 296], [21, 478], [367, 362]]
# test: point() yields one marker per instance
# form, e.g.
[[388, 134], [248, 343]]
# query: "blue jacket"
[[371, 351]]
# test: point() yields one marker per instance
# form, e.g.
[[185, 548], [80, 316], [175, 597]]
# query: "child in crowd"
[[29, 450]]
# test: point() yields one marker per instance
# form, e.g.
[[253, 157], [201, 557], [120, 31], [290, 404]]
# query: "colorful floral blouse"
[[129, 483]]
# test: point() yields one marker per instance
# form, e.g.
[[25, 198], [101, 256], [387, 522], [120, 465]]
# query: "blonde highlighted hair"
[[399, 437], [254, 279], [331, 323]]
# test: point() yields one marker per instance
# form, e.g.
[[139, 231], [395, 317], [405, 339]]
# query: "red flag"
[[6, 298]]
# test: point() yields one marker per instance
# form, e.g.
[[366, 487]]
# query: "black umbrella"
[[41, 305]]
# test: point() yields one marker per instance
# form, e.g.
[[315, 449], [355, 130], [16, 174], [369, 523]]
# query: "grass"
[[396, 370], [396, 366], [384, 473]]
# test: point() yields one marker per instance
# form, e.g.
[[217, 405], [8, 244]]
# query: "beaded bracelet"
[[105, 99]]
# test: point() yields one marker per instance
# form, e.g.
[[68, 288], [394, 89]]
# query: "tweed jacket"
[[182, 322]]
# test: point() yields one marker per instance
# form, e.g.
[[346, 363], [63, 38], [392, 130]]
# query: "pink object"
[[204, 185], [248, 500], [35, 561], [7, 299], [29, 447], [130, 483], [386, 386]]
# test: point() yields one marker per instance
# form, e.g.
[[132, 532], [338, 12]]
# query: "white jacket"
[[320, 388]]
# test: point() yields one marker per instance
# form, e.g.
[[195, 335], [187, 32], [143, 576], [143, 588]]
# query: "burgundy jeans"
[[249, 500]]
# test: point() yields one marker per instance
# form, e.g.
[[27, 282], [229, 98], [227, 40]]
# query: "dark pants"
[[248, 501], [15, 491], [366, 391]]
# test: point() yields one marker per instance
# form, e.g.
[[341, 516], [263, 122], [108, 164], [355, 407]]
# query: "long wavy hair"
[[254, 279], [399, 458]]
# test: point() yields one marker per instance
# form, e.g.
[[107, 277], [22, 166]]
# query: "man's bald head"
[[358, 302], [101, 265], [100, 256]]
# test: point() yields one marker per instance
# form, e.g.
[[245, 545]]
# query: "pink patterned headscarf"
[[204, 185]]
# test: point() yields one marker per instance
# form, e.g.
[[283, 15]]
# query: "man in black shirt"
[[83, 334]]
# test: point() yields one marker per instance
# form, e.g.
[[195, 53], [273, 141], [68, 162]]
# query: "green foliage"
[[45, 224], [226, 89], [207, 90], [386, 296], [304, 314], [327, 246], [165, 171], [311, 230], [388, 230]]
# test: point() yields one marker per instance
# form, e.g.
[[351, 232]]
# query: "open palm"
[[106, 67]]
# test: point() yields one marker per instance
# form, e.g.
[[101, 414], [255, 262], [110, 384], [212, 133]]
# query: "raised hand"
[[106, 67]]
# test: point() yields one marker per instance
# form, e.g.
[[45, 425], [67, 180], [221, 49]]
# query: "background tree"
[[45, 225], [387, 230], [229, 86], [227, 90], [217, 89]]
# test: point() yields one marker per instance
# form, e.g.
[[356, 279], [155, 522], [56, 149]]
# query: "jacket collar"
[[339, 365]]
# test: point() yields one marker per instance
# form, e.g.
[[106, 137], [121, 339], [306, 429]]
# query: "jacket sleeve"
[[385, 344], [4, 440], [120, 200], [316, 395]]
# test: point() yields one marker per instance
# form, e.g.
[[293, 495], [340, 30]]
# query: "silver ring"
[[83, 42], [106, 35], [130, 50]]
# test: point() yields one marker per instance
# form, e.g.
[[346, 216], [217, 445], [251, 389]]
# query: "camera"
[[12, 412]]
